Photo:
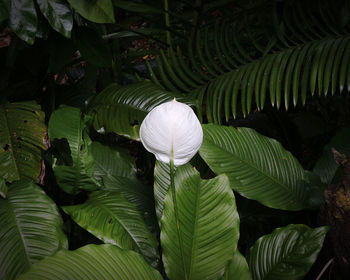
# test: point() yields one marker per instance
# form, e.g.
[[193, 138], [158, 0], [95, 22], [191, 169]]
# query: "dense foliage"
[[82, 199]]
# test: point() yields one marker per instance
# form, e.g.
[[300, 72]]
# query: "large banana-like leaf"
[[113, 219], [287, 253], [73, 168], [114, 170], [237, 269], [122, 109], [93, 262], [30, 228], [326, 167], [258, 167], [200, 228], [22, 137]]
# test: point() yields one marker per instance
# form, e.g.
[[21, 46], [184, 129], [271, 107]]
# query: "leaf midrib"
[[255, 168], [194, 240], [282, 258], [98, 204]]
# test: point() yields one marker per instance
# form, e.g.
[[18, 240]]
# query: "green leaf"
[[113, 219], [100, 11], [162, 183], [3, 188], [200, 228], [102, 262], [73, 169], [258, 167], [23, 19], [122, 109], [114, 170], [238, 268], [286, 253], [92, 47], [22, 137], [58, 14], [30, 228], [326, 167]]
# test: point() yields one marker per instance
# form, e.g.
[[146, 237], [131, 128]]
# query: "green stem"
[[167, 22], [173, 192]]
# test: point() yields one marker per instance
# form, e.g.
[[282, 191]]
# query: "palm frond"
[[281, 52]]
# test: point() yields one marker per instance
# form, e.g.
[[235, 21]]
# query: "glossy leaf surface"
[[22, 137], [113, 219], [258, 167], [73, 167], [114, 170], [30, 228], [23, 20], [286, 253], [122, 109], [162, 183], [58, 14], [92, 262], [200, 228], [237, 269]]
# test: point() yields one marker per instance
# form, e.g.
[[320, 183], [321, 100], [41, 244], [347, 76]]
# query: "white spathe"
[[172, 125]]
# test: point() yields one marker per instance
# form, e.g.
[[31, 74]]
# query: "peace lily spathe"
[[172, 125]]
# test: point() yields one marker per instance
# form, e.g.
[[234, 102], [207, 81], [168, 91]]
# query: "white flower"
[[172, 125]]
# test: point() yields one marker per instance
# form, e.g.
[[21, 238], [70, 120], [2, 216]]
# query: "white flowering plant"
[[187, 226], [129, 144]]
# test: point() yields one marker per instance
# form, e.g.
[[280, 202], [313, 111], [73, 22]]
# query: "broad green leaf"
[[113, 219], [162, 183], [93, 262], [258, 167], [73, 168], [22, 137], [58, 14], [92, 47], [30, 228], [23, 19], [326, 167], [114, 170], [100, 11], [122, 109], [238, 268], [286, 253], [200, 228]]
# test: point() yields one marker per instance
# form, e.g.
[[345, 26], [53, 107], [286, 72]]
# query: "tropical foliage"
[[80, 198]]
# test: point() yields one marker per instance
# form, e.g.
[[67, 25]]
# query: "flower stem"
[[173, 192]]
